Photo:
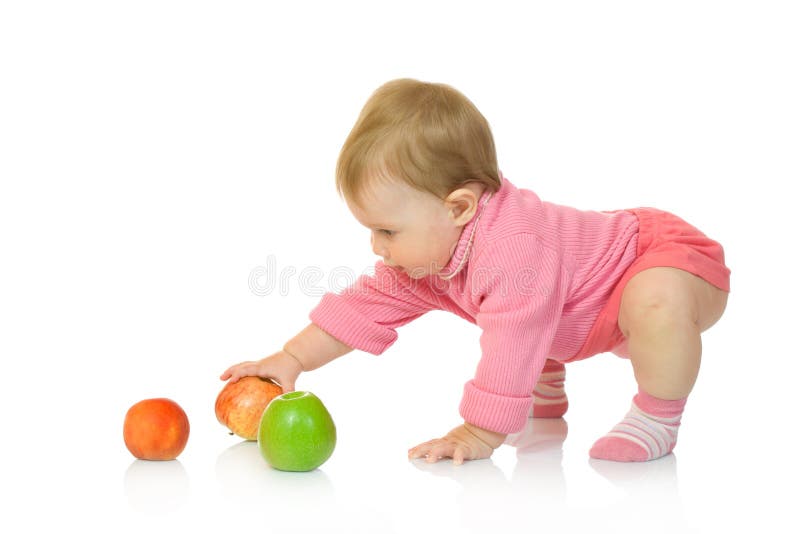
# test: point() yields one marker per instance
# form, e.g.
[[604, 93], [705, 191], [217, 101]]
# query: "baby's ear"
[[461, 204]]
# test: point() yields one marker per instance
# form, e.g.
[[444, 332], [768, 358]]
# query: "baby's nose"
[[381, 251], [378, 249]]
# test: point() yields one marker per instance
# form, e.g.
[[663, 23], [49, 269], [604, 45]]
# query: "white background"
[[155, 154]]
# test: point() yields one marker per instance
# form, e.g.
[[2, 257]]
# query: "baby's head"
[[429, 136], [413, 169]]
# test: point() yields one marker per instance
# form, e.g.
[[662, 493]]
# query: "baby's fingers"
[[432, 450], [228, 374], [444, 449], [235, 372], [421, 450]]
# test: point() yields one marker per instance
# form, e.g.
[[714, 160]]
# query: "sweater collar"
[[461, 254]]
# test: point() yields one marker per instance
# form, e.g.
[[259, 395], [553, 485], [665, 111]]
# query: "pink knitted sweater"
[[531, 274]]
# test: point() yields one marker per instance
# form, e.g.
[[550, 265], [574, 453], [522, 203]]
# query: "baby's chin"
[[417, 273]]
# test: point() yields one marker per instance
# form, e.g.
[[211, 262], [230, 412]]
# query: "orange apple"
[[156, 429], [240, 404]]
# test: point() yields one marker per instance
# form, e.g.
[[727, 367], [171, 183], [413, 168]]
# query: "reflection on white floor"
[[488, 499], [243, 475], [537, 491], [542, 478], [156, 487], [526, 483]]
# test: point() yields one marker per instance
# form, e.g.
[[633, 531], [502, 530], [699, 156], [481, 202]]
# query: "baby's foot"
[[648, 431], [549, 399]]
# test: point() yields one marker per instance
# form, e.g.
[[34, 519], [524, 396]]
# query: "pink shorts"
[[665, 240]]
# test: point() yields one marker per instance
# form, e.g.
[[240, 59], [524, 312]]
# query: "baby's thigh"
[[676, 292]]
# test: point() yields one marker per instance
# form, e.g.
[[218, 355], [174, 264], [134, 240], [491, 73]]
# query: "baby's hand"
[[465, 442], [280, 367]]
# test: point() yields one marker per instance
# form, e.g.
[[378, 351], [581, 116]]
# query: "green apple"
[[296, 432]]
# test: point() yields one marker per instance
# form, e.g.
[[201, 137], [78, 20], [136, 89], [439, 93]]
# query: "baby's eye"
[[385, 232]]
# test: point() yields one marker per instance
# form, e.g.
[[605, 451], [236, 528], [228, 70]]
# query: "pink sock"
[[549, 399], [648, 431]]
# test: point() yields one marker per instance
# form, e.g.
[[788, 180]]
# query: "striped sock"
[[649, 431], [549, 399]]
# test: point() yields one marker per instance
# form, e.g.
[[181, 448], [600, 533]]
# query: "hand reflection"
[[489, 501], [539, 472]]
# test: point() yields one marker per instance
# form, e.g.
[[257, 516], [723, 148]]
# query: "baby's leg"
[[549, 399], [662, 313]]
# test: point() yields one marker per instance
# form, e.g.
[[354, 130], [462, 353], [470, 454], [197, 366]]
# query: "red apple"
[[240, 404], [156, 429]]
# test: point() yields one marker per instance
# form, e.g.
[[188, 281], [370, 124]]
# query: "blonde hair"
[[428, 135]]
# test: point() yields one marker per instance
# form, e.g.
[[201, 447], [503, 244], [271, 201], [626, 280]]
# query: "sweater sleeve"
[[365, 316], [520, 286]]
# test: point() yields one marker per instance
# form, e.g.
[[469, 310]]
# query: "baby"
[[547, 284]]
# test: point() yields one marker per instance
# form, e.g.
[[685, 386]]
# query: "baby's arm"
[[465, 442], [310, 349], [519, 322]]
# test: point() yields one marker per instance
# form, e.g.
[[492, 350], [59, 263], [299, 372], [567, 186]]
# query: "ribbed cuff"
[[497, 413], [336, 317], [659, 407]]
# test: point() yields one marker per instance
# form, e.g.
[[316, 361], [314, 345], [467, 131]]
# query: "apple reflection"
[[156, 487], [242, 474]]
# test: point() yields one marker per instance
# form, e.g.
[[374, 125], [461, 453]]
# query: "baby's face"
[[410, 229]]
